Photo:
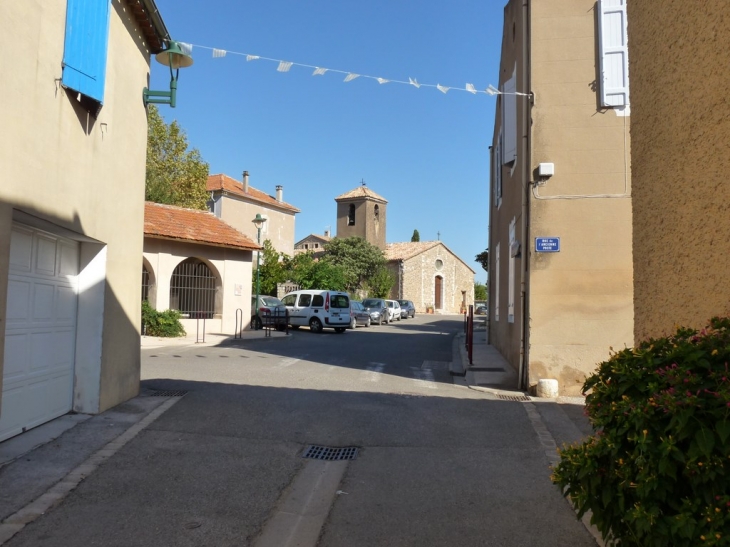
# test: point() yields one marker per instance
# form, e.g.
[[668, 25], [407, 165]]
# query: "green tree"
[[359, 260], [175, 175], [271, 270], [483, 259], [379, 284], [415, 237], [309, 273], [480, 291]]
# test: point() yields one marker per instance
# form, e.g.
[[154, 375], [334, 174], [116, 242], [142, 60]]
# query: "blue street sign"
[[547, 244]]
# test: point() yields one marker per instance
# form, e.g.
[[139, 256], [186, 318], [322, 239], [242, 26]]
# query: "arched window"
[[192, 289], [351, 215], [145, 283], [377, 212]]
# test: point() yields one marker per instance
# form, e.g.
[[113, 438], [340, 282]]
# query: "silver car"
[[378, 310], [394, 309], [358, 315]]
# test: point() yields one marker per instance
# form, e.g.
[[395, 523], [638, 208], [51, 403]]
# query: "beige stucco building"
[[199, 265], [430, 275], [680, 130], [362, 213], [238, 203], [560, 277], [72, 150]]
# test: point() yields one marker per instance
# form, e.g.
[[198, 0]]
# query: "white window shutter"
[[497, 173], [614, 52], [509, 118]]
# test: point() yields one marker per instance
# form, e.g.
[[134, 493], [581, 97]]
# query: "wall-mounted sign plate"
[[547, 244]]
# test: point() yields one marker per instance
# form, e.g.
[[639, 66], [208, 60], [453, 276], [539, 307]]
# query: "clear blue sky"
[[426, 152]]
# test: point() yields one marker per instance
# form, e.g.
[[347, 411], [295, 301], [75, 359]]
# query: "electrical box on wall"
[[546, 169]]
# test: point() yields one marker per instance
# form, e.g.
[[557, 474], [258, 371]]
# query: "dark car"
[[480, 309], [358, 315], [378, 310], [407, 309], [270, 311]]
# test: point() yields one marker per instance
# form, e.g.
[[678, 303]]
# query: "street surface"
[[438, 464]]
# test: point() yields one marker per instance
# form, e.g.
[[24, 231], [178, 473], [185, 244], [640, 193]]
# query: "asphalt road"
[[438, 464]]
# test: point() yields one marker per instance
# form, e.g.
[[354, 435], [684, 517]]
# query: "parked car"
[[318, 309], [268, 310], [378, 310], [394, 309], [481, 309], [358, 315], [407, 309]]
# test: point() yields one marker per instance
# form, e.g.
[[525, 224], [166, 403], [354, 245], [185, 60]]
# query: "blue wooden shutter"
[[614, 52], [85, 49]]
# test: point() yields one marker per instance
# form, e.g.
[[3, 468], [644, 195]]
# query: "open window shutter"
[[497, 172], [85, 48], [614, 52], [509, 119]]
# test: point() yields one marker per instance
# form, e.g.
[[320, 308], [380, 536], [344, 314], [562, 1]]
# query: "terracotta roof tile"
[[170, 222], [361, 192], [220, 182]]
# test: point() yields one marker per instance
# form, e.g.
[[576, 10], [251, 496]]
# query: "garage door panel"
[[42, 351], [45, 260], [65, 305], [16, 357], [68, 259], [21, 250], [19, 294], [65, 346], [15, 406], [43, 297]]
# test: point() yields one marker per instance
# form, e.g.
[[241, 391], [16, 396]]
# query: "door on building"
[[40, 329], [438, 289]]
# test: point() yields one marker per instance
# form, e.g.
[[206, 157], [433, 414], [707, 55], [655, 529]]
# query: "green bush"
[[161, 323], [657, 472]]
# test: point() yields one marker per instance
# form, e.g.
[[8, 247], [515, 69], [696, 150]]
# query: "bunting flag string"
[[285, 66]]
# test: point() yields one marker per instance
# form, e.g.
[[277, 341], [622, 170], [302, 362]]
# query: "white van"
[[318, 309]]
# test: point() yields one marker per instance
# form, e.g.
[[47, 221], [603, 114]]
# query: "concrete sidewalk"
[[210, 339]]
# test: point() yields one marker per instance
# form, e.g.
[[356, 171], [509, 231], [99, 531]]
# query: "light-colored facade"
[[197, 264], [362, 213], [680, 130], [313, 243], [237, 203], [430, 275], [560, 277], [71, 205]]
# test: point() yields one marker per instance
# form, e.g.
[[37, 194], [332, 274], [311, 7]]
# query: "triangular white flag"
[[413, 82], [319, 71], [219, 53], [351, 77], [252, 57], [471, 89], [442, 89], [382, 80], [187, 49], [284, 66]]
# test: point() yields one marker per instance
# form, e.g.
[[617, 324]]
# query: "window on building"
[[192, 289], [377, 212], [145, 284], [511, 276], [85, 49], [496, 283], [306, 246], [509, 120], [613, 53], [497, 171], [351, 215], [316, 245], [439, 264]]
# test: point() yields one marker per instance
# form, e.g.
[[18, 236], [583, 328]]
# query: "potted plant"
[[429, 308]]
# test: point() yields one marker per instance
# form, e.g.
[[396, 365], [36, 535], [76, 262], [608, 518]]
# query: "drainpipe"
[[523, 374]]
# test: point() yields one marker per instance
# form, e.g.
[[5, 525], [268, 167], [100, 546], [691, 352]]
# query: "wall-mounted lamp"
[[494, 91], [175, 58]]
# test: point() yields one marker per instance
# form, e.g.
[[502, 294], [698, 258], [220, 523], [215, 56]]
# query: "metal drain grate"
[[315, 452], [521, 398], [168, 393]]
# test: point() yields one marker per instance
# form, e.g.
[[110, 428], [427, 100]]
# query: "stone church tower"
[[361, 213]]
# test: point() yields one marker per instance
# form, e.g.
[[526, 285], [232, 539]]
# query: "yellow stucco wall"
[[78, 173], [279, 228], [680, 162]]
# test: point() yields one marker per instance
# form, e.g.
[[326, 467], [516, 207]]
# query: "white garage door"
[[40, 331]]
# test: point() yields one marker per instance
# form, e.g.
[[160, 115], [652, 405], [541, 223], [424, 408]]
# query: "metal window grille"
[[145, 284], [192, 289]]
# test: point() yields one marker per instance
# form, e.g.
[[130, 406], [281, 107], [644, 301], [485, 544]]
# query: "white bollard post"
[[547, 388]]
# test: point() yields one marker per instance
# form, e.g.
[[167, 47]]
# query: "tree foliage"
[[380, 283], [483, 259], [309, 273], [359, 260], [480, 291], [175, 175], [416, 237], [271, 270]]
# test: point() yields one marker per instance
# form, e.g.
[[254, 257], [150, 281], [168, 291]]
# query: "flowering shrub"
[[657, 471], [161, 323]]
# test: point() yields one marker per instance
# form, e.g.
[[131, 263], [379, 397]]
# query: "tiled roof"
[[313, 237], [217, 183], [361, 192], [409, 249], [170, 222]]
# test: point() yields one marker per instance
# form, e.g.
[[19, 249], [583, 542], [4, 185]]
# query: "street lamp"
[[175, 58], [258, 222]]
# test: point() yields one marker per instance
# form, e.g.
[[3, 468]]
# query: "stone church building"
[[428, 273]]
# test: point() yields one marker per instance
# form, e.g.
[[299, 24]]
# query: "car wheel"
[[353, 323], [256, 323], [340, 330], [399, 317], [367, 323], [315, 325]]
